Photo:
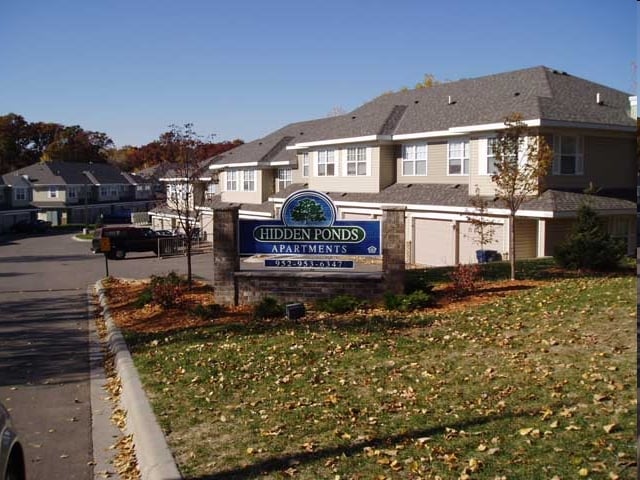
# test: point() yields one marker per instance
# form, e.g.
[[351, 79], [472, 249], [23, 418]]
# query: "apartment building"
[[431, 149], [69, 192]]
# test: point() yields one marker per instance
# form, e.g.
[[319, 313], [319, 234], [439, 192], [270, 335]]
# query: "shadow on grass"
[[281, 463]]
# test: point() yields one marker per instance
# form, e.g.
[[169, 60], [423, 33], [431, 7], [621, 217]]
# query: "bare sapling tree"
[[185, 191], [522, 160], [484, 230]]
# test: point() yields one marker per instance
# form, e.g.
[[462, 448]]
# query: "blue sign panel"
[[308, 226], [308, 263]]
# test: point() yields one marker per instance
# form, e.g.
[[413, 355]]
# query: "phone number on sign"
[[309, 263]]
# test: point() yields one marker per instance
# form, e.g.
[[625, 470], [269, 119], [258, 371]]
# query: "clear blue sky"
[[243, 68]]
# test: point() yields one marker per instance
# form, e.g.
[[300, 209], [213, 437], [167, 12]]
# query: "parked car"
[[31, 226], [164, 233], [125, 239], [12, 465]]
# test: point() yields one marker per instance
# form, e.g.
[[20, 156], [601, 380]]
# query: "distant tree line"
[[23, 143]]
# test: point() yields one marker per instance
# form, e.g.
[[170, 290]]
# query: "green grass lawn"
[[537, 385]]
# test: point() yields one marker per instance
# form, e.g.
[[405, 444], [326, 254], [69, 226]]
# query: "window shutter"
[[482, 156], [556, 155]]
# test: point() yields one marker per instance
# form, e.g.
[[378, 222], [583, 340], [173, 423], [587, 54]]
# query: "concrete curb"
[[154, 457]]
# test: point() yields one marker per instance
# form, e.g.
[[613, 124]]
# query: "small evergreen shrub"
[[465, 278], [408, 303], [208, 312], [145, 298], [339, 304], [589, 245], [268, 307]]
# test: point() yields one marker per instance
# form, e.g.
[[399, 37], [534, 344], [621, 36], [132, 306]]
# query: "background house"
[[69, 192], [15, 201], [430, 149]]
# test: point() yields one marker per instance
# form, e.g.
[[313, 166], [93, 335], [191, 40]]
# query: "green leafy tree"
[[589, 245], [522, 159], [308, 210]]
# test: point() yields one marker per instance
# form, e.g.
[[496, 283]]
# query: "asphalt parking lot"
[[44, 342]]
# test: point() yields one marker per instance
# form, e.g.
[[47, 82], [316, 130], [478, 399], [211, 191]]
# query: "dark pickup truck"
[[125, 239]]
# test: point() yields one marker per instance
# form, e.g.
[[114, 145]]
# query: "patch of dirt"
[[151, 318]]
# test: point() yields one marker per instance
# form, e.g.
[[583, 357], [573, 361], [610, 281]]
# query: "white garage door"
[[433, 242], [469, 243]]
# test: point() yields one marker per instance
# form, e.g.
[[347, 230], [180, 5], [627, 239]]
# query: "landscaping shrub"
[[408, 303], [268, 307], [465, 279], [339, 304], [167, 291], [145, 297], [589, 245], [209, 312]]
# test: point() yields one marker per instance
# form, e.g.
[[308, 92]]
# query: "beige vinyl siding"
[[436, 166], [387, 170], [526, 238], [483, 182], [341, 182], [609, 162], [296, 172], [41, 194]]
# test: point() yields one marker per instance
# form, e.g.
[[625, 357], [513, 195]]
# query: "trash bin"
[[486, 256]]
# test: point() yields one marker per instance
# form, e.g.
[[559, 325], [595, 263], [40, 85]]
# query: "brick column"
[[393, 248], [225, 255]]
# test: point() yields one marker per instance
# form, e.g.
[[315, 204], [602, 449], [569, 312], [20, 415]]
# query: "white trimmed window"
[[326, 163], [414, 160], [20, 193], [458, 157], [356, 161], [567, 155], [53, 192], [241, 181], [248, 180], [284, 178], [305, 164], [232, 180]]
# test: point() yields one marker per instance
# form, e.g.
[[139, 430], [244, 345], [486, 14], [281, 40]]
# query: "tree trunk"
[[512, 245], [189, 281]]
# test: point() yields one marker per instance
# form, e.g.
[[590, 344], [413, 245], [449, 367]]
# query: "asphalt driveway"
[[44, 343]]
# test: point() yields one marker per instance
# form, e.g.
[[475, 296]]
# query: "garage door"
[[469, 242], [433, 242]]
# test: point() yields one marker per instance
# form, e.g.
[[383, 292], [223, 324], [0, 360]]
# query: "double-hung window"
[[305, 164], [567, 155], [232, 180], [491, 155], [356, 161], [458, 157], [326, 163], [284, 178], [53, 192], [414, 160], [248, 180], [20, 193], [72, 192]]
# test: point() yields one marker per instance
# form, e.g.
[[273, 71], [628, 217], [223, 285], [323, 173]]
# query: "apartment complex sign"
[[308, 226]]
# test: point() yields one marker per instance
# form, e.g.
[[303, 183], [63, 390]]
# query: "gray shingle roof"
[[71, 173], [536, 93], [454, 195]]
